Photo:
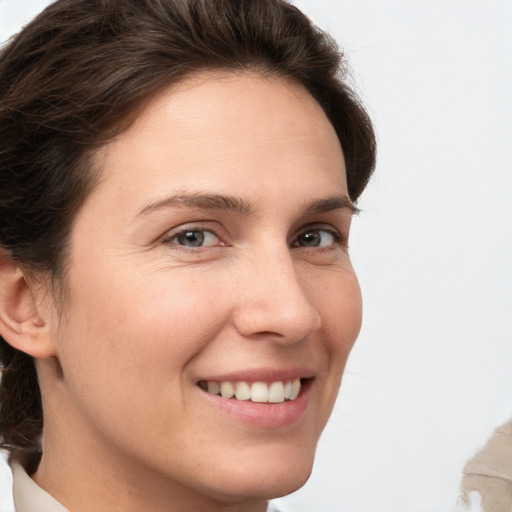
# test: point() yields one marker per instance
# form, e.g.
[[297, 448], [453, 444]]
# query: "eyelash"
[[338, 239]]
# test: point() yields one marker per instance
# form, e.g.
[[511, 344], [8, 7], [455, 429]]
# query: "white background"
[[430, 375]]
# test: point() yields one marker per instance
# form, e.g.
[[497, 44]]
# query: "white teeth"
[[242, 391], [227, 390], [294, 393], [287, 389], [276, 392], [259, 392]]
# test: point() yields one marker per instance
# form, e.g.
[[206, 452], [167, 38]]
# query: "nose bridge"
[[274, 301]]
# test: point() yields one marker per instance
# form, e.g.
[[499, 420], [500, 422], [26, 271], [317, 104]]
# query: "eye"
[[317, 237], [192, 238]]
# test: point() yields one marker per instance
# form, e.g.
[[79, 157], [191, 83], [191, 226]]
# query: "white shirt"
[[29, 497]]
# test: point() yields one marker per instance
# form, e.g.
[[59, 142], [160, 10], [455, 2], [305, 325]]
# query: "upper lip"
[[262, 375]]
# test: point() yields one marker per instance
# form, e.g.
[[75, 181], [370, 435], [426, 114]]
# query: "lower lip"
[[264, 415]]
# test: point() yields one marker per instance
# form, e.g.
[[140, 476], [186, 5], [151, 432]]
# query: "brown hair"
[[69, 80]]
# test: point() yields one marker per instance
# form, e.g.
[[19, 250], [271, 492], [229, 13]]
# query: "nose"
[[272, 300]]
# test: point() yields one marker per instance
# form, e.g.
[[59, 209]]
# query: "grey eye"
[[195, 238], [316, 238]]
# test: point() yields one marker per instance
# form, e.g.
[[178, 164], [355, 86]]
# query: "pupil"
[[311, 239], [192, 238]]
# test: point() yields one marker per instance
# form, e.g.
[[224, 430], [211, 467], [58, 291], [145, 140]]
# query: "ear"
[[24, 320]]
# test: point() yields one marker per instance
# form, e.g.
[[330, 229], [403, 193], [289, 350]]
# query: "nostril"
[[268, 334]]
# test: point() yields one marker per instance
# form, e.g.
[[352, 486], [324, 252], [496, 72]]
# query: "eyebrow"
[[338, 202], [240, 206], [202, 201]]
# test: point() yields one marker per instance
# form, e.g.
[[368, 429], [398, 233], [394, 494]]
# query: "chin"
[[266, 488], [284, 486], [274, 472]]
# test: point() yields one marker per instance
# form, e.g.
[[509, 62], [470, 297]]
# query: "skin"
[[127, 428]]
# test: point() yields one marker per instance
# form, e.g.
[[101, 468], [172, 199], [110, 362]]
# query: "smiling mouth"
[[257, 392]]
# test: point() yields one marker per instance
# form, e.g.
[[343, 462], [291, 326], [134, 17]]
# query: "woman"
[[177, 179]]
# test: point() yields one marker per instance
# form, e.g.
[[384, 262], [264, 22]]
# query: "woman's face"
[[213, 254]]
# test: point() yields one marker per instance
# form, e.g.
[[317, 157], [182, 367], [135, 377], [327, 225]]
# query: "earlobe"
[[23, 322]]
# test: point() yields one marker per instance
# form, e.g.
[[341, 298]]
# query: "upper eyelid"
[[320, 226], [210, 226]]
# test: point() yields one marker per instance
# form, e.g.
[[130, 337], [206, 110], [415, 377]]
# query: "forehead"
[[230, 129]]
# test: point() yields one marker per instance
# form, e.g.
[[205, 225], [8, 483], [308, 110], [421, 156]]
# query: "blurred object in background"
[[489, 473]]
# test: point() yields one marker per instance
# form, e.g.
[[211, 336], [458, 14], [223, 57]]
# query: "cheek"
[[130, 340], [339, 303], [139, 323]]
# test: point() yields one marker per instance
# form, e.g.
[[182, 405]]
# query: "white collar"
[[28, 496]]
